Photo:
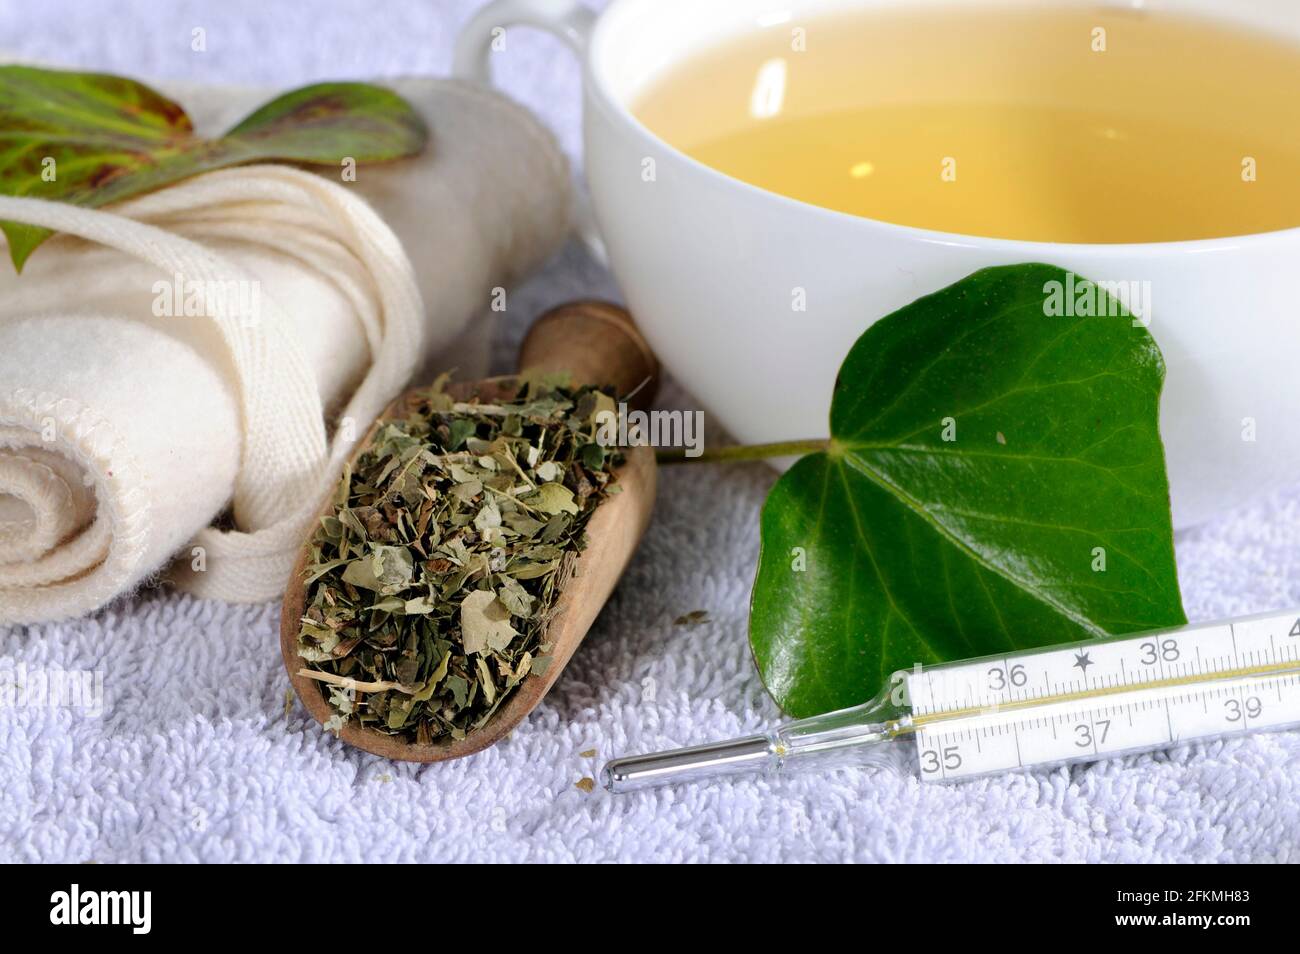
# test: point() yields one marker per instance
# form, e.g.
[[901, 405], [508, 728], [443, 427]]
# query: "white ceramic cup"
[[708, 263]]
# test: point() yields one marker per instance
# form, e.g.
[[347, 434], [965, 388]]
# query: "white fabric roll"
[[124, 433]]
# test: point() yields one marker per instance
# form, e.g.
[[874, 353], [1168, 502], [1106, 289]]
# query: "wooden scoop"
[[595, 343]]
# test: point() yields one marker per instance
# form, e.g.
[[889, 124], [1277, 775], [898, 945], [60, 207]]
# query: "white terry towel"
[[124, 433]]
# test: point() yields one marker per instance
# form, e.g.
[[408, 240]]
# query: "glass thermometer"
[[1070, 703]]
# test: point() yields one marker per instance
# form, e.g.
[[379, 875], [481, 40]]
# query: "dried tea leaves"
[[431, 583]]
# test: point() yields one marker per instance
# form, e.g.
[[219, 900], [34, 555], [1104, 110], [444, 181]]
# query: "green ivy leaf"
[[93, 139], [898, 546]]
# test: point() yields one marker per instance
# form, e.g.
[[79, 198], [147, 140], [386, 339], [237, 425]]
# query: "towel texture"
[[192, 347], [195, 756]]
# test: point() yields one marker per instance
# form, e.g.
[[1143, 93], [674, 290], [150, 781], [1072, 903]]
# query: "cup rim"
[[599, 94]]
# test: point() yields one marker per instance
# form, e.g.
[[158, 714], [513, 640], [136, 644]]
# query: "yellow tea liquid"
[[1076, 124]]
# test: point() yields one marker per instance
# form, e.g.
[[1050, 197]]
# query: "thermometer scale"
[[1078, 702]]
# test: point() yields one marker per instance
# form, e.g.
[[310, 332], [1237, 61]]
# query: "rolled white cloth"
[[180, 355]]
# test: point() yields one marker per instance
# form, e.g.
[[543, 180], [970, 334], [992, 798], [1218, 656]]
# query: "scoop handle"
[[595, 342]]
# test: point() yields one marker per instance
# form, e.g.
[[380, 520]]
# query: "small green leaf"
[[995, 481], [593, 456], [93, 139], [327, 122]]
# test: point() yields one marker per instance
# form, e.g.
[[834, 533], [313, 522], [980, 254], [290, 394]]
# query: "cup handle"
[[567, 19]]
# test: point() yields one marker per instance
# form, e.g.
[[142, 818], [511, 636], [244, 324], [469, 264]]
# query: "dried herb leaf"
[[485, 623], [553, 499], [431, 583]]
